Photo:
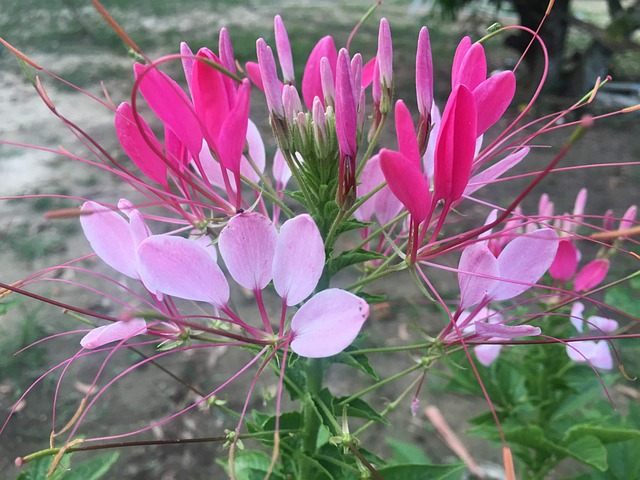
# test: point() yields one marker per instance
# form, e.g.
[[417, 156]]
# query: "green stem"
[[415, 346], [379, 384], [372, 144]]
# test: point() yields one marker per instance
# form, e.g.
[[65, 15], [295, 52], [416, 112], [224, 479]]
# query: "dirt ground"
[[150, 394]]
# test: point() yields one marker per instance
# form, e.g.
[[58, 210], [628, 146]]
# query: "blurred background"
[[586, 38]]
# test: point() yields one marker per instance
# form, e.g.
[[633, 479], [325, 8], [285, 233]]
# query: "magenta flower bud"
[[608, 220], [424, 75], [565, 263], [385, 54], [326, 79], [591, 275], [225, 49], [356, 75], [545, 207], [346, 116], [291, 102], [283, 48], [272, 89]]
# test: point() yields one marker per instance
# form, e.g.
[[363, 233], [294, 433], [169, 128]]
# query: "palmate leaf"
[[351, 257]]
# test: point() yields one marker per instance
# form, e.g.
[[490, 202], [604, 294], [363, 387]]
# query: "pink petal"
[[406, 134], [461, 52], [269, 75], [477, 264], [591, 275], [487, 354], [283, 48], [182, 268], [385, 54], [253, 72], [368, 72], [225, 49], [187, 63], [494, 171], [171, 105], [299, 259], [473, 69], [109, 235], [455, 146], [596, 352], [138, 145], [311, 81], [328, 323], [564, 265], [209, 94], [407, 183], [496, 330], [233, 132], [247, 245], [114, 332], [256, 152], [524, 260], [493, 96]]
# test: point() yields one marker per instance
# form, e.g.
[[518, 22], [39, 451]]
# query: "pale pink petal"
[[114, 332], [591, 275], [272, 85], [596, 352], [576, 316], [328, 323], [187, 63], [524, 260], [628, 218], [496, 330], [256, 151], [181, 268], [225, 49], [477, 263], [247, 245], [566, 262], [109, 234], [281, 171], [299, 259], [602, 324], [385, 54], [494, 171], [487, 354], [493, 96], [493, 214], [141, 146]]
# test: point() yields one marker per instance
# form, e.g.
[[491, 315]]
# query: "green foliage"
[[92, 469], [551, 408]]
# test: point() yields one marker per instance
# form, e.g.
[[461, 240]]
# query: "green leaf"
[[349, 225], [309, 464], [360, 362], [372, 298], [625, 297], [603, 433], [324, 434], [406, 453], [422, 472], [253, 465], [590, 451], [93, 469], [351, 257], [360, 409]]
